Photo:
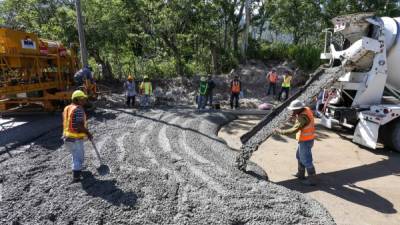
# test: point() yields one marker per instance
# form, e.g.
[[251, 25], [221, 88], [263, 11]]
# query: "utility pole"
[[246, 30], [81, 33]]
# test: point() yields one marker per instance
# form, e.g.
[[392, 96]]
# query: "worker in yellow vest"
[[75, 132], [286, 83], [146, 89], [304, 128]]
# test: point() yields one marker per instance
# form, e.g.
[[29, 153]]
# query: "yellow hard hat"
[[146, 77], [130, 77], [78, 94], [203, 79]]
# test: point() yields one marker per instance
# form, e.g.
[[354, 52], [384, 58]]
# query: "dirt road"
[[357, 185], [168, 167]]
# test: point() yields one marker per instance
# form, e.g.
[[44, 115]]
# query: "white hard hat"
[[296, 104]]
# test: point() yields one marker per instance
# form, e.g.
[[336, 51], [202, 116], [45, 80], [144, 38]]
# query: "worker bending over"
[[130, 89], [75, 132], [304, 128]]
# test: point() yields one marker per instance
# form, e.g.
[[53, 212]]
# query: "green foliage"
[[305, 56], [184, 37]]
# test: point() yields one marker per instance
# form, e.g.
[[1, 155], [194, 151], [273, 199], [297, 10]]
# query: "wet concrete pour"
[[168, 167]]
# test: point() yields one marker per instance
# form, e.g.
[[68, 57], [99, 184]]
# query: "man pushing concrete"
[[305, 134], [75, 132]]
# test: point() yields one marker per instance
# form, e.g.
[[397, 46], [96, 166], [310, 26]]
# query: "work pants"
[[271, 86], [286, 91], [130, 100], [201, 102], [145, 100], [209, 99], [304, 155], [77, 152], [235, 97]]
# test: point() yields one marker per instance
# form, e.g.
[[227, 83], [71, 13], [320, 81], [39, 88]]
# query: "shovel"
[[103, 169]]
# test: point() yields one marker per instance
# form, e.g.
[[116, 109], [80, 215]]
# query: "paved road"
[[167, 167], [357, 185]]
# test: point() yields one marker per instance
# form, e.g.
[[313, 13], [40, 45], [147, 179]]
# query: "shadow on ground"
[[107, 190], [342, 183]]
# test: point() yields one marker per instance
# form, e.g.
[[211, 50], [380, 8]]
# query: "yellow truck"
[[34, 71]]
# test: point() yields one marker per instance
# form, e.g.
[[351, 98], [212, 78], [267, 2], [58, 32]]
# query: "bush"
[[305, 56]]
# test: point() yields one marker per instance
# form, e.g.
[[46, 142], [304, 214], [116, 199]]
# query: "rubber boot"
[[301, 171], [76, 176], [311, 178]]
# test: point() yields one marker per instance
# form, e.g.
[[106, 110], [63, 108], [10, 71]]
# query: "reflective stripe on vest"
[[307, 133], [69, 131], [235, 87], [272, 77], [286, 81]]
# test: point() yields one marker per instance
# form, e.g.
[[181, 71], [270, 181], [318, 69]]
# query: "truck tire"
[[391, 136]]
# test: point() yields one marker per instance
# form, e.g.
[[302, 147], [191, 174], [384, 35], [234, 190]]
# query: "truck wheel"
[[392, 136]]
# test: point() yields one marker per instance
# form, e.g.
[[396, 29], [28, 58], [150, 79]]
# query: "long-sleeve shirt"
[[130, 88], [301, 121]]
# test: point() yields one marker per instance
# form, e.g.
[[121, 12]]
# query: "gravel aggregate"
[[168, 167]]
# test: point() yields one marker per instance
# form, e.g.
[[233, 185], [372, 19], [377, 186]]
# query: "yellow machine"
[[34, 71]]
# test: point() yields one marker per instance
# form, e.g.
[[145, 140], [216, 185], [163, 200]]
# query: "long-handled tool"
[[103, 169]]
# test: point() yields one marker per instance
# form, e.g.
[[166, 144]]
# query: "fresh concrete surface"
[[357, 185], [167, 167]]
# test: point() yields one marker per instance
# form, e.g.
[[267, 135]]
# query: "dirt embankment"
[[183, 91]]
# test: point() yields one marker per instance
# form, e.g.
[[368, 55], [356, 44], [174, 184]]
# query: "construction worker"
[[272, 78], [146, 89], [286, 83], [305, 134], [82, 75], [210, 88], [236, 87], [84, 79], [203, 89], [130, 89], [76, 131]]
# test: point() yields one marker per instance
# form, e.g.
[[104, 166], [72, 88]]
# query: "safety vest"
[[203, 88], [146, 87], [69, 131], [286, 81], [235, 86], [272, 77], [307, 133]]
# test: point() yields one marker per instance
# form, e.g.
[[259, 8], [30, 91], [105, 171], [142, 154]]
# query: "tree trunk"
[[179, 64], [215, 55], [105, 65]]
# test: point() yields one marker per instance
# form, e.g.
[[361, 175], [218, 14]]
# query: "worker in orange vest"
[[236, 87], [76, 131], [304, 128], [272, 78]]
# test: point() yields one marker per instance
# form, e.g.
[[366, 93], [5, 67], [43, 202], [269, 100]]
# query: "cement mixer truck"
[[368, 48], [363, 72]]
